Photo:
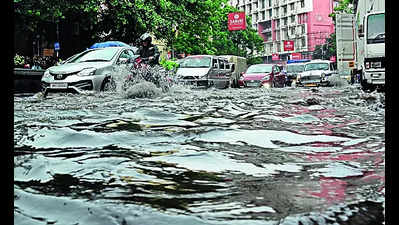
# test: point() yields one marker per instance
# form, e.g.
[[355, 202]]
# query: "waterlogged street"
[[195, 156]]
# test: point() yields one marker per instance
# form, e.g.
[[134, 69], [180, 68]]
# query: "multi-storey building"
[[305, 22]]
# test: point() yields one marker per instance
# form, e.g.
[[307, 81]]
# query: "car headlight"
[[46, 74], [87, 72], [267, 77], [202, 76]]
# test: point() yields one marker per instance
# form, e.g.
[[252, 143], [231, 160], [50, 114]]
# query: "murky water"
[[194, 156]]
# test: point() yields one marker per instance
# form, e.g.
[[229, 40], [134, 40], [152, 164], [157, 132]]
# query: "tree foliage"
[[329, 49], [344, 6], [189, 26]]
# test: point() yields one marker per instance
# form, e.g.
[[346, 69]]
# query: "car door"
[[214, 71]]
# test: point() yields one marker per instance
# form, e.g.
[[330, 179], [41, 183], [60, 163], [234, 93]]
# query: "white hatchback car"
[[89, 70], [316, 73]]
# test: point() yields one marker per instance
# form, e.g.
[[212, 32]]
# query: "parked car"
[[204, 71], [89, 70], [316, 73], [263, 74], [292, 72]]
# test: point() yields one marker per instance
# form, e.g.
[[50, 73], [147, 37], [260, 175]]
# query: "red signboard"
[[296, 55], [275, 56], [236, 21], [288, 45]]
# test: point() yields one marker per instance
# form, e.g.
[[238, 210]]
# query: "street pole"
[[58, 37]]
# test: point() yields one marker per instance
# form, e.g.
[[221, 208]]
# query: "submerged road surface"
[[192, 156]]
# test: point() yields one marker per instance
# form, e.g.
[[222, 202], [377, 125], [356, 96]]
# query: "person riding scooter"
[[149, 52]]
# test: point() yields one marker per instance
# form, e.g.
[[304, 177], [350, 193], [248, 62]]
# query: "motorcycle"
[[142, 71]]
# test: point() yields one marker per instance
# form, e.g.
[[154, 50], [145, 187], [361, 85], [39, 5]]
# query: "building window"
[[286, 34], [292, 6], [302, 3]]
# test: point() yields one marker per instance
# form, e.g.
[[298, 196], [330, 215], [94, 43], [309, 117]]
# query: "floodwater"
[[200, 156]]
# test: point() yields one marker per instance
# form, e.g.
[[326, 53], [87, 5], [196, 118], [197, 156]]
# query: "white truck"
[[369, 23], [361, 47]]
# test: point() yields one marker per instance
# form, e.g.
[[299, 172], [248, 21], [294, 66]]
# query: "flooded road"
[[194, 156]]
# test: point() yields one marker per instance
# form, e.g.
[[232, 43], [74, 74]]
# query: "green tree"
[[326, 50], [330, 47], [190, 26], [344, 6]]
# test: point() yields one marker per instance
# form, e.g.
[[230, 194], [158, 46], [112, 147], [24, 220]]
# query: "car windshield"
[[196, 62], [295, 68], [103, 54], [376, 28], [316, 66], [260, 69]]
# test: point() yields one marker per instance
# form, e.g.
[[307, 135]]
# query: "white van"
[[204, 71]]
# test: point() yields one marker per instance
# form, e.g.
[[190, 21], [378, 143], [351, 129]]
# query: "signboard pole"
[[236, 21]]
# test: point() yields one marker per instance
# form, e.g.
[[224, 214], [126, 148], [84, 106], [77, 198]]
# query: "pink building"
[[305, 22]]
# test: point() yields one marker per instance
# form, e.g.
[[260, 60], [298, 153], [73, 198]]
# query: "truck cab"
[[373, 33], [369, 28]]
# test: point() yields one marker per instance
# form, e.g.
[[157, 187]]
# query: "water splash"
[[141, 82], [337, 81]]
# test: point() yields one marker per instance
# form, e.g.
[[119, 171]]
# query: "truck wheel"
[[233, 83], [366, 86]]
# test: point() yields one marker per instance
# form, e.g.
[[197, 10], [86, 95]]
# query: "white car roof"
[[319, 61]]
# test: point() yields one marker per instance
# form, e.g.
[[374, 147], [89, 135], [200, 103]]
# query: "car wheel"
[[108, 84]]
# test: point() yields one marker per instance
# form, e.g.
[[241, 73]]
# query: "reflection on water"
[[193, 156]]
